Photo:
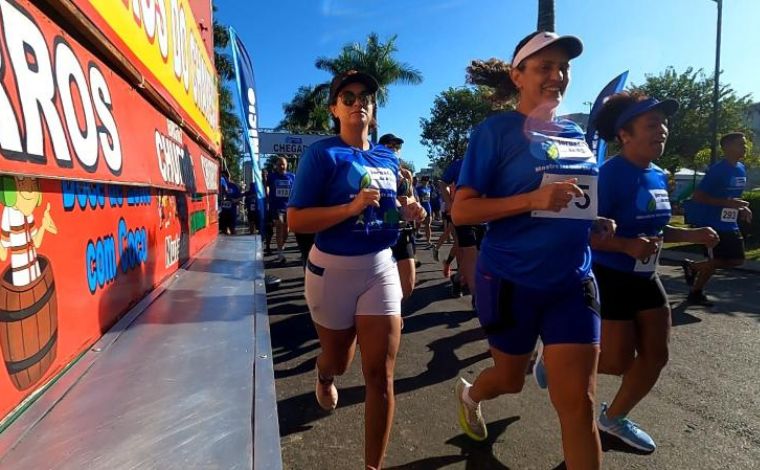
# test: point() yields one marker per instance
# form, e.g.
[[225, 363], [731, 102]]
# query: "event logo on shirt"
[[651, 200], [738, 182], [358, 177], [555, 148]]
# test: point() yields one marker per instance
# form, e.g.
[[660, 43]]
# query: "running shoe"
[[446, 269], [326, 392], [688, 272], [699, 298], [436, 255], [456, 287], [539, 368], [625, 430], [470, 417]]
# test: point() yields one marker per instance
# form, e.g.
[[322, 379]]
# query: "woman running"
[[532, 177], [345, 192], [634, 306]]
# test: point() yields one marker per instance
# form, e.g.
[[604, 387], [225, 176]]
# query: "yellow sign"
[[163, 35]]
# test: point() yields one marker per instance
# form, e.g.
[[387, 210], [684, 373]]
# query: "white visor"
[[572, 45]]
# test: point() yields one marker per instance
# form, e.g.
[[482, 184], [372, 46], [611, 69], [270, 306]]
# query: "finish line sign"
[[283, 143]]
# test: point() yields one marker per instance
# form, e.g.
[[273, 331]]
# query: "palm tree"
[[545, 15], [376, 59], [307, 111]]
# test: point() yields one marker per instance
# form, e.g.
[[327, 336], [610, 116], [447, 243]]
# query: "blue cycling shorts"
[[515, 316]]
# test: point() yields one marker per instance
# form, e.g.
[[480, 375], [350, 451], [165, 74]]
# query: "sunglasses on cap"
[[348, 98]]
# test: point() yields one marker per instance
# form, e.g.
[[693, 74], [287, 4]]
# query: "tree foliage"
[[690, 126], [307, 111], [228, 120], [455, 112]]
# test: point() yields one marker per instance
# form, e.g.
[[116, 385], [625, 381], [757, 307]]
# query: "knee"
[[378, 379], [574, 401], [615, 364], [657, 358]]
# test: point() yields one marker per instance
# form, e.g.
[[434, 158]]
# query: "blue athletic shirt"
[[424, 194], [280, 186], [637, 199], [722, 180], [331, 172], [509, 155], [451, 174]]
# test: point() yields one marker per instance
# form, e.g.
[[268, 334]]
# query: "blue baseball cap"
[[667, 107]]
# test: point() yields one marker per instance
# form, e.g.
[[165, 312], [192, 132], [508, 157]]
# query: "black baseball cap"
[[390, 139], [352, 76]]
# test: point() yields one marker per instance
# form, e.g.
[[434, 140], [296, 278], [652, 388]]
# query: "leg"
[[571, 370], [338, 347], [467, 258], [507, 375], [379, 337], [618, 345], [652, 335], [428, 229], [408, 274]]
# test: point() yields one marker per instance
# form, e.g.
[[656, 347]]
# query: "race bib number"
[[728, 214], [425, 198], [583, 207], [252, 207], [649, 265], [226, 204]]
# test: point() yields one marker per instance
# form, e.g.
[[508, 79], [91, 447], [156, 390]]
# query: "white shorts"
[[340, 287]]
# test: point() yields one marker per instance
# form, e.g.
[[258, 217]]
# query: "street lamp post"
[[716, 89]]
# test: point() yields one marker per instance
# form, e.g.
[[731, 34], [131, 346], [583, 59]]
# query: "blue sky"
[[440, 37]]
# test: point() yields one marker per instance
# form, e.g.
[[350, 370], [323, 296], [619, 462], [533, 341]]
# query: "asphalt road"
[[704, 413]]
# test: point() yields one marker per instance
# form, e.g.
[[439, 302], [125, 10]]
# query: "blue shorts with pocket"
[[515, 316]]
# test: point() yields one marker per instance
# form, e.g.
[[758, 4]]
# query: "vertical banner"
[[599, 146], [246, 88]]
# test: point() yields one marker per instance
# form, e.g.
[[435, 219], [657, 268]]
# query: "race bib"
[[425, 198], [583, 207], [226, 204], [728, 214], [252, 207], [649, 265]]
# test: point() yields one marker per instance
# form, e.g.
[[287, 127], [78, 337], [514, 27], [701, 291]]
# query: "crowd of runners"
[[560, 253]]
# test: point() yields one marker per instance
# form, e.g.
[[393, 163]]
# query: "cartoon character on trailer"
[[28, 304]]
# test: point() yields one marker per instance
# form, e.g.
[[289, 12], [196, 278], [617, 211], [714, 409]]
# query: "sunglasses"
[[348, 98]]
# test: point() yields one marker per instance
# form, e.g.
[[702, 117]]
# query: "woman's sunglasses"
[[348, 98]]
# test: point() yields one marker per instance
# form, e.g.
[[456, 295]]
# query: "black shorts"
[[622, 295], [470, 235], [404, 247], [731, 246]]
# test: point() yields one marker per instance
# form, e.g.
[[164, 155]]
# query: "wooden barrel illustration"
[[28, 326]]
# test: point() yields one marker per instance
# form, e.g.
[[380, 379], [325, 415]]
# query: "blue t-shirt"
[[637, 199], [451, 174], [424, 194], [330, 173], [280, 185], [228, 201], [509, 155], [722, 180]]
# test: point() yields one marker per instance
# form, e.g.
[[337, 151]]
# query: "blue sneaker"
[[539, 369], [626, 430]]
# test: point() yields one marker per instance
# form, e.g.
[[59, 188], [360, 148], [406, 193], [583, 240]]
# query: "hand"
[[364, 198], [47, 221], [642, 248], [604, 228], [555, 196], [745, 213], [705, 236], [413, 212], [737, 203]]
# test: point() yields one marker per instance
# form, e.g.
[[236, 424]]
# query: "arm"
[[703, 198], [445, 191], [703, 235], [316, 219], [470, 208], [639, 248]]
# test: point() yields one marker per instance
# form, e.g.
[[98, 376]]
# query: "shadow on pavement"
[[476, 455]]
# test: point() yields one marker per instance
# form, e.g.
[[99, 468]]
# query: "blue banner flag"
[[599, 146], [246, 92]]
